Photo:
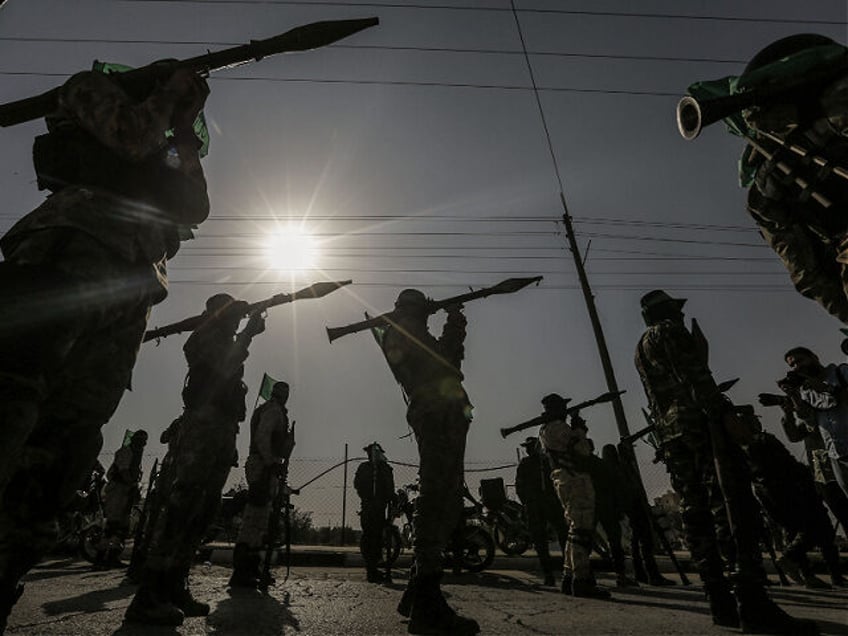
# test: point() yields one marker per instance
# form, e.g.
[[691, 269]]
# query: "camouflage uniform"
[[271, 445], [788, 494], [119, 495], [536, 491], [439, 413], [569, 450], [199, 459], [810, 239], [84, 268], [681, 392], [819, 464], [375, 484]]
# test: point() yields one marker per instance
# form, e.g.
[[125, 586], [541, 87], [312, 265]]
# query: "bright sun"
[[291, 248]]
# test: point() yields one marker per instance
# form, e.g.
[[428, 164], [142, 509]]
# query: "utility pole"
[[609, 374]]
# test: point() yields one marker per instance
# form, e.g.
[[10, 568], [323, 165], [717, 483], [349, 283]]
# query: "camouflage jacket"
[[134, 133], [566, 446], [215, 369], [126, 468], [271, 438], [677, 381], [374, 486], [809, 238], [425, 367]]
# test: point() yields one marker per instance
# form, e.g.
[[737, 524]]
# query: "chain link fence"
[[328, 502]]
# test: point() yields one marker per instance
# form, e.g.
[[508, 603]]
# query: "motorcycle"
[[81, 527], [470, 548], [505, 517]]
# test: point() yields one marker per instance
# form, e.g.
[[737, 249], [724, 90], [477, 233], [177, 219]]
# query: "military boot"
[[639, 571], [654, 577], [431, 613], [113, 558], [586, 588], [181, 596], [151, 604], [758, 614], [566, 583], [722, 604], [373, 575], [404, 607], [245, 567]]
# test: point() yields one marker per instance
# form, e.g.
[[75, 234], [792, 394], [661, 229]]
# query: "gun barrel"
[[694, 114]]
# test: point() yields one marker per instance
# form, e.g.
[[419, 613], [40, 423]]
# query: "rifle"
[[141, 80], [509, 286], [138, 536], [550, 417], [318, 290], [282, 501]]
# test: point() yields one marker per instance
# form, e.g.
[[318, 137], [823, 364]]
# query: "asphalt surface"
[[65, 597]]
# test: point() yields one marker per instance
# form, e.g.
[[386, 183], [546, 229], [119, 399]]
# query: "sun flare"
[[291, 248]]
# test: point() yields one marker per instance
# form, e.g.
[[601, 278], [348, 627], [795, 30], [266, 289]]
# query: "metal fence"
[[328, 497]]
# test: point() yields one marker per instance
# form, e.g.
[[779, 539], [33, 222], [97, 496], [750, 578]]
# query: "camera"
[[792, 380], [771, 399]]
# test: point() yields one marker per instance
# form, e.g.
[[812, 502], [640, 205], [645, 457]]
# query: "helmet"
[[139, 437], [784, 47], [411, 298]]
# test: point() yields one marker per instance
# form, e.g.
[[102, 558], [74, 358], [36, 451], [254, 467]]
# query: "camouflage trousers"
[[692, 470], [262, 487], [372, 519], [440, 427], [577, 495], [540, 514], [72, 316], [199, 462], [118, 499], [62, 376]]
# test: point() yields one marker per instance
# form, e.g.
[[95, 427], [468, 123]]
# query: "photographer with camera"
[[817, 395]]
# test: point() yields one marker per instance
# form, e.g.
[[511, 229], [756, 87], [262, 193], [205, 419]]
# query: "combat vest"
[[279, 434]]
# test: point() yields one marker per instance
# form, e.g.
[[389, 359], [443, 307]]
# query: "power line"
[[616, 14], [302, 80], [388, 47], [753, 287]]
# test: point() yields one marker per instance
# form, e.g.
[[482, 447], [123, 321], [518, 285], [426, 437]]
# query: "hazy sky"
[[415, 153]]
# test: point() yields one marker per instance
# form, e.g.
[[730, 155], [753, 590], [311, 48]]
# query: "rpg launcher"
[[550, 417], [509, 286], [141, 80], [317, 290]]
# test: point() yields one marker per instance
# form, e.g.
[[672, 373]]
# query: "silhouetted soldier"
[[683, 397], [536, 491], [200, 460], [566, 445], [120, 494], [78, 278], [642, 537], [788, 494], [439, 413], [271, 445], [375, 484]]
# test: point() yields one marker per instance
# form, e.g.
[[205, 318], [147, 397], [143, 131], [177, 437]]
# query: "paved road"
[[65, 597]]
